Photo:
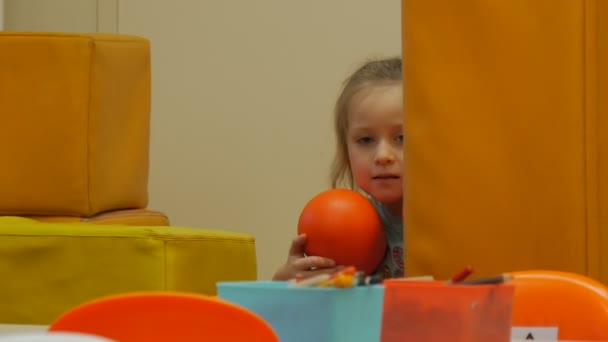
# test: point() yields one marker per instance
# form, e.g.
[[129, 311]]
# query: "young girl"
[[369, 130]]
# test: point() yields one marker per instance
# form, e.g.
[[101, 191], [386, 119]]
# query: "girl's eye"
[[399, 138], [365, 140]]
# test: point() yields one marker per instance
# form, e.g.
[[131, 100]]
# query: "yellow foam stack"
[[74, 148], [77, 107], [506, 136]]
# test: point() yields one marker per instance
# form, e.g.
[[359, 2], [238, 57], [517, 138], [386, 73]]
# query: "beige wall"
[[1, 15], [61, 15], [54, 15], [242, 98]]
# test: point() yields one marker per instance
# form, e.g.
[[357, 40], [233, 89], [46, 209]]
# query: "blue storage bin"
[[311, 314]]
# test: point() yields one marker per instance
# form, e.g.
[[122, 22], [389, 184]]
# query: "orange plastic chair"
[[575, 304], [165, 316]]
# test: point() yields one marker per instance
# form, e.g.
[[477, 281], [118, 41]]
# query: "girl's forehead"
[[381, 104]]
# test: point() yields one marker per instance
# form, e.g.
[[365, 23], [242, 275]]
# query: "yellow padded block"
[[506, 108], [130, 217], [48, 268], [75, 123]]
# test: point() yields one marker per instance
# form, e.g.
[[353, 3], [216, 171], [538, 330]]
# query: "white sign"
[[546, 334]]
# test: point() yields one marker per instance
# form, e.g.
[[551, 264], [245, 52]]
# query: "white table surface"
[[7, 329]]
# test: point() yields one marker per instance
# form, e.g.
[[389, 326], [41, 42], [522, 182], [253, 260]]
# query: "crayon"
[[461, 276]]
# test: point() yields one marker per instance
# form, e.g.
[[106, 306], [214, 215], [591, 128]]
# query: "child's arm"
[[299, 265]]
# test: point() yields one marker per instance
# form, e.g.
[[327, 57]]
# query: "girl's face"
[[375, 142]]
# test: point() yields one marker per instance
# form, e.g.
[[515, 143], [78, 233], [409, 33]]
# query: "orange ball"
[[344, 226]]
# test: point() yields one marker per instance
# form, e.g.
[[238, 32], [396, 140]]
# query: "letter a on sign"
[[534, 333]]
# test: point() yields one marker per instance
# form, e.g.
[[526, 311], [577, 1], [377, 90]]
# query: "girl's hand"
[[299, 265]]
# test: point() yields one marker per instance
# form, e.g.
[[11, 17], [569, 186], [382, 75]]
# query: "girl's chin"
[[388, 199]]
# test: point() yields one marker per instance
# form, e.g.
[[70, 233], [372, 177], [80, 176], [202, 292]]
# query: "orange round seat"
[[165, 316], [575, 304]]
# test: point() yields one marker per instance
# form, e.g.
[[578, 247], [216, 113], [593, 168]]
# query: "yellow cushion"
[[48, 268], [131, 217], [506, 136], [75, 123]]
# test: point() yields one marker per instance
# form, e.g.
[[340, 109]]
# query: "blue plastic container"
[[311, 314]]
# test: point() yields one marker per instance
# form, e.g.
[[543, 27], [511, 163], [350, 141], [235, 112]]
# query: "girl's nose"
[[384, 155]]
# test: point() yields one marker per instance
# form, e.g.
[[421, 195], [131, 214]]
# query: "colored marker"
[[461, 276]]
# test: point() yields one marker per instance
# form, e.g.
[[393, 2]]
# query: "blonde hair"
[[371, 73]]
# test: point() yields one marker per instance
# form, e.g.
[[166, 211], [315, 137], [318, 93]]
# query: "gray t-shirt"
[[392, 265]]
